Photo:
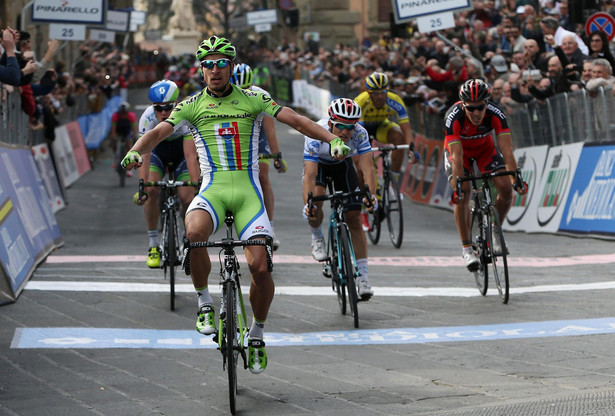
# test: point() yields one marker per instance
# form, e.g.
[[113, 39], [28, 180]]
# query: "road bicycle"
[[341, 263], [389, 199], [232, 332], [172, 225], [486, 229]]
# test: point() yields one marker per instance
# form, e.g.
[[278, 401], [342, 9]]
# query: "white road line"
[[388, 291], [418, 261]]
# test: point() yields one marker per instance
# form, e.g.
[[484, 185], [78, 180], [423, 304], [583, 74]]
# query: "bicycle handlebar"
[[227, 244], [519, 183], [164, 184], [339, 196], [276, 156], [390, 147]]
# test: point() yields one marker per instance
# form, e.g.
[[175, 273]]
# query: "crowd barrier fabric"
[[42, 156], [590, 206], [70, 153], [28, 228]]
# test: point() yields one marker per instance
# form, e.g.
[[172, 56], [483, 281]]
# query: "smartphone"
[[525, 75], [535, 74]]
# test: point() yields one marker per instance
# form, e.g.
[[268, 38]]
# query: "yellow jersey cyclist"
[[222, 121], [318, 165], [385, 118], [177, 149], [267, 143]]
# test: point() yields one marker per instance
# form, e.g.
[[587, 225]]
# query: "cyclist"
[[123, 128], [344, 115], [379, 106], [468, 125], [222, 120], [243, 78], [177, 149]]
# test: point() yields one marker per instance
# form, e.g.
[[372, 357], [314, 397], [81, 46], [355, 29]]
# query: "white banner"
[[404, 10], [66, 32], [99, 35], [117, 21], [79, 11]]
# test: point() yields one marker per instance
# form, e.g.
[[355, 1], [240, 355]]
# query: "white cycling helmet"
[[344, 110], [242, 76]]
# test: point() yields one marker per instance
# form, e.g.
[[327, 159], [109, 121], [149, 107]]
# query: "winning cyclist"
[[344, 115], [469, 124], [242, 77], [379, 106], [178, 149], [222, 120]]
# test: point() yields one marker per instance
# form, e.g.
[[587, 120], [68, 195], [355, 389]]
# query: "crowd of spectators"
[[47, 86], [527, 50]]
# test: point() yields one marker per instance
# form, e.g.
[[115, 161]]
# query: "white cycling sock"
[[203, 296], [153, 237], [317, 233], [257, 329], [362, 266]]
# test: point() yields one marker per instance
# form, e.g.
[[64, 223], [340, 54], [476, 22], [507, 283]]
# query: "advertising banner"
[[590, 206], [28, 228], [420, 177], [531, 161], [69, 11], [42, 157], [70, 153]]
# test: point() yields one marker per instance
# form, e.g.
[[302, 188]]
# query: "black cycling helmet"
[[377, 81], [474, 90]]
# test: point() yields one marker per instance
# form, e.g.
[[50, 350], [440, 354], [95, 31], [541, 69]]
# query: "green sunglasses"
[[220, 63], [344, 126]]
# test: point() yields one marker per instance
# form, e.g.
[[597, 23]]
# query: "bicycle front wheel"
[[231, 346], [349, 273], [336, 272], [481, 275], [499, 262], [393, 211], [171, 250]]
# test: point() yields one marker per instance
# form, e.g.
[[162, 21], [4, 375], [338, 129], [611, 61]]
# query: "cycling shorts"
[[344, 178], [380, 131], [166, 152], [487, 161], [239, 192]]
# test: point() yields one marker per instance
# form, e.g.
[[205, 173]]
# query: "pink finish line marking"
[[419, 261]]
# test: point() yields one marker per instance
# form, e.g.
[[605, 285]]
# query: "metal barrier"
[[14, 123]]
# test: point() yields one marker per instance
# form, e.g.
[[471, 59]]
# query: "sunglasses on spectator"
[[473, 108], [220, 63], [161, 108], [342, 126]]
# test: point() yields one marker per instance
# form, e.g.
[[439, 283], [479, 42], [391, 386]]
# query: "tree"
[[213, 16]]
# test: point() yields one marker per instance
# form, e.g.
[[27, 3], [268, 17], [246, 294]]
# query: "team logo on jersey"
[[228, 131], [212, 105]]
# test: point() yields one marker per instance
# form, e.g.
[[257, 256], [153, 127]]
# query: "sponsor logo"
[[234, 102]]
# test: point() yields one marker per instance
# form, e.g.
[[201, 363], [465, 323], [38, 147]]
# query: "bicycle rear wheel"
[[171, 249], [394, 212], [375, 220], [336, 273], [499, 262], [349, 273], [231, 346], [481, 276]]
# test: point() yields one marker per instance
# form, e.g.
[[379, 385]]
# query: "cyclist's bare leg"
[[359, 241], [395, 136], [262, 287], [263, 177], [186, 195], [505, 196], [152, 211], [199, 226], [462, 216]]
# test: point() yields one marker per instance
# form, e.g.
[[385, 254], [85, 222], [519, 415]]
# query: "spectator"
[[586, 74], [602, 75], [533, 57], [564, 17], [9, 70], [499, 66], [599, 47], [515, 38], [497, 91], [558, 81], [550, 26]]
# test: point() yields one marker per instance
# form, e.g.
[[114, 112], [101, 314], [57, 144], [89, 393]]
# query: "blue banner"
[[28, 228], [96, 127], [590, 207]]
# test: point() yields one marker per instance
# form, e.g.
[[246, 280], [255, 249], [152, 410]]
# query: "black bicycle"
[[487, 232], [341, 263], [389, 199], [232, 323], [172, 225]]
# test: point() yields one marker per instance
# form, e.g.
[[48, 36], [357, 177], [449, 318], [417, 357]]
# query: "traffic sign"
[[601, 21]]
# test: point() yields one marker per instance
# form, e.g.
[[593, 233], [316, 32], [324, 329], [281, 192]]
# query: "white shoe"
[[319, 251], [471, 260], [365, 289]]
